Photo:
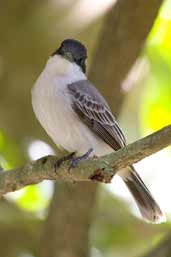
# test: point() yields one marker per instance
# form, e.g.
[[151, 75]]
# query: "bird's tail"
[[148, 207]]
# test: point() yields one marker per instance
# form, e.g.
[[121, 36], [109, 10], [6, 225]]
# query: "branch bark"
[[98, 169]]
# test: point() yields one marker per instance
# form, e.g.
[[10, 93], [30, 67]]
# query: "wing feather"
[[95, 113]]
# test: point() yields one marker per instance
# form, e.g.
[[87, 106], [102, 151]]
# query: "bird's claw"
[[75, 161], [63, 159]]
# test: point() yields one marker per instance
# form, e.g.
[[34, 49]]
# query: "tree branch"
[[99, 169]]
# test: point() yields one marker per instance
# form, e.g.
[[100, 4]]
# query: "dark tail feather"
[[148, 207]]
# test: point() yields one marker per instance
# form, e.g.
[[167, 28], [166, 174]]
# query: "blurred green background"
[[30, 31]]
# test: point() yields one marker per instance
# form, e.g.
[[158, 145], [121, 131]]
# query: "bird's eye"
[[81, 61]]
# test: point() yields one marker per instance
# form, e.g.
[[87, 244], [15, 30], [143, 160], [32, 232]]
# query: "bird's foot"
[[75, 161], [63, 159]]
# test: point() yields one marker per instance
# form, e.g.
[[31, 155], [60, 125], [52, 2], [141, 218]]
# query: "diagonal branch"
[[99, 169]]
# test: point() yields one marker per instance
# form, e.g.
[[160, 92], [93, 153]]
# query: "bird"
[[78, 119]]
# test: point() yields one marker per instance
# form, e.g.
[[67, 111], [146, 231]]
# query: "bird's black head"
[[74, 51]]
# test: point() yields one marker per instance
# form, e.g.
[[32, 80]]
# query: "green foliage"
[[115, 227], [155, 108], [32, 199], [10, 155]]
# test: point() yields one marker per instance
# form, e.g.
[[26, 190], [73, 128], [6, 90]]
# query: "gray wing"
[[93, 110]]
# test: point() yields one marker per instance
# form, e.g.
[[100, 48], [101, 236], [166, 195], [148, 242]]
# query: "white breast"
[[52, 106]]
